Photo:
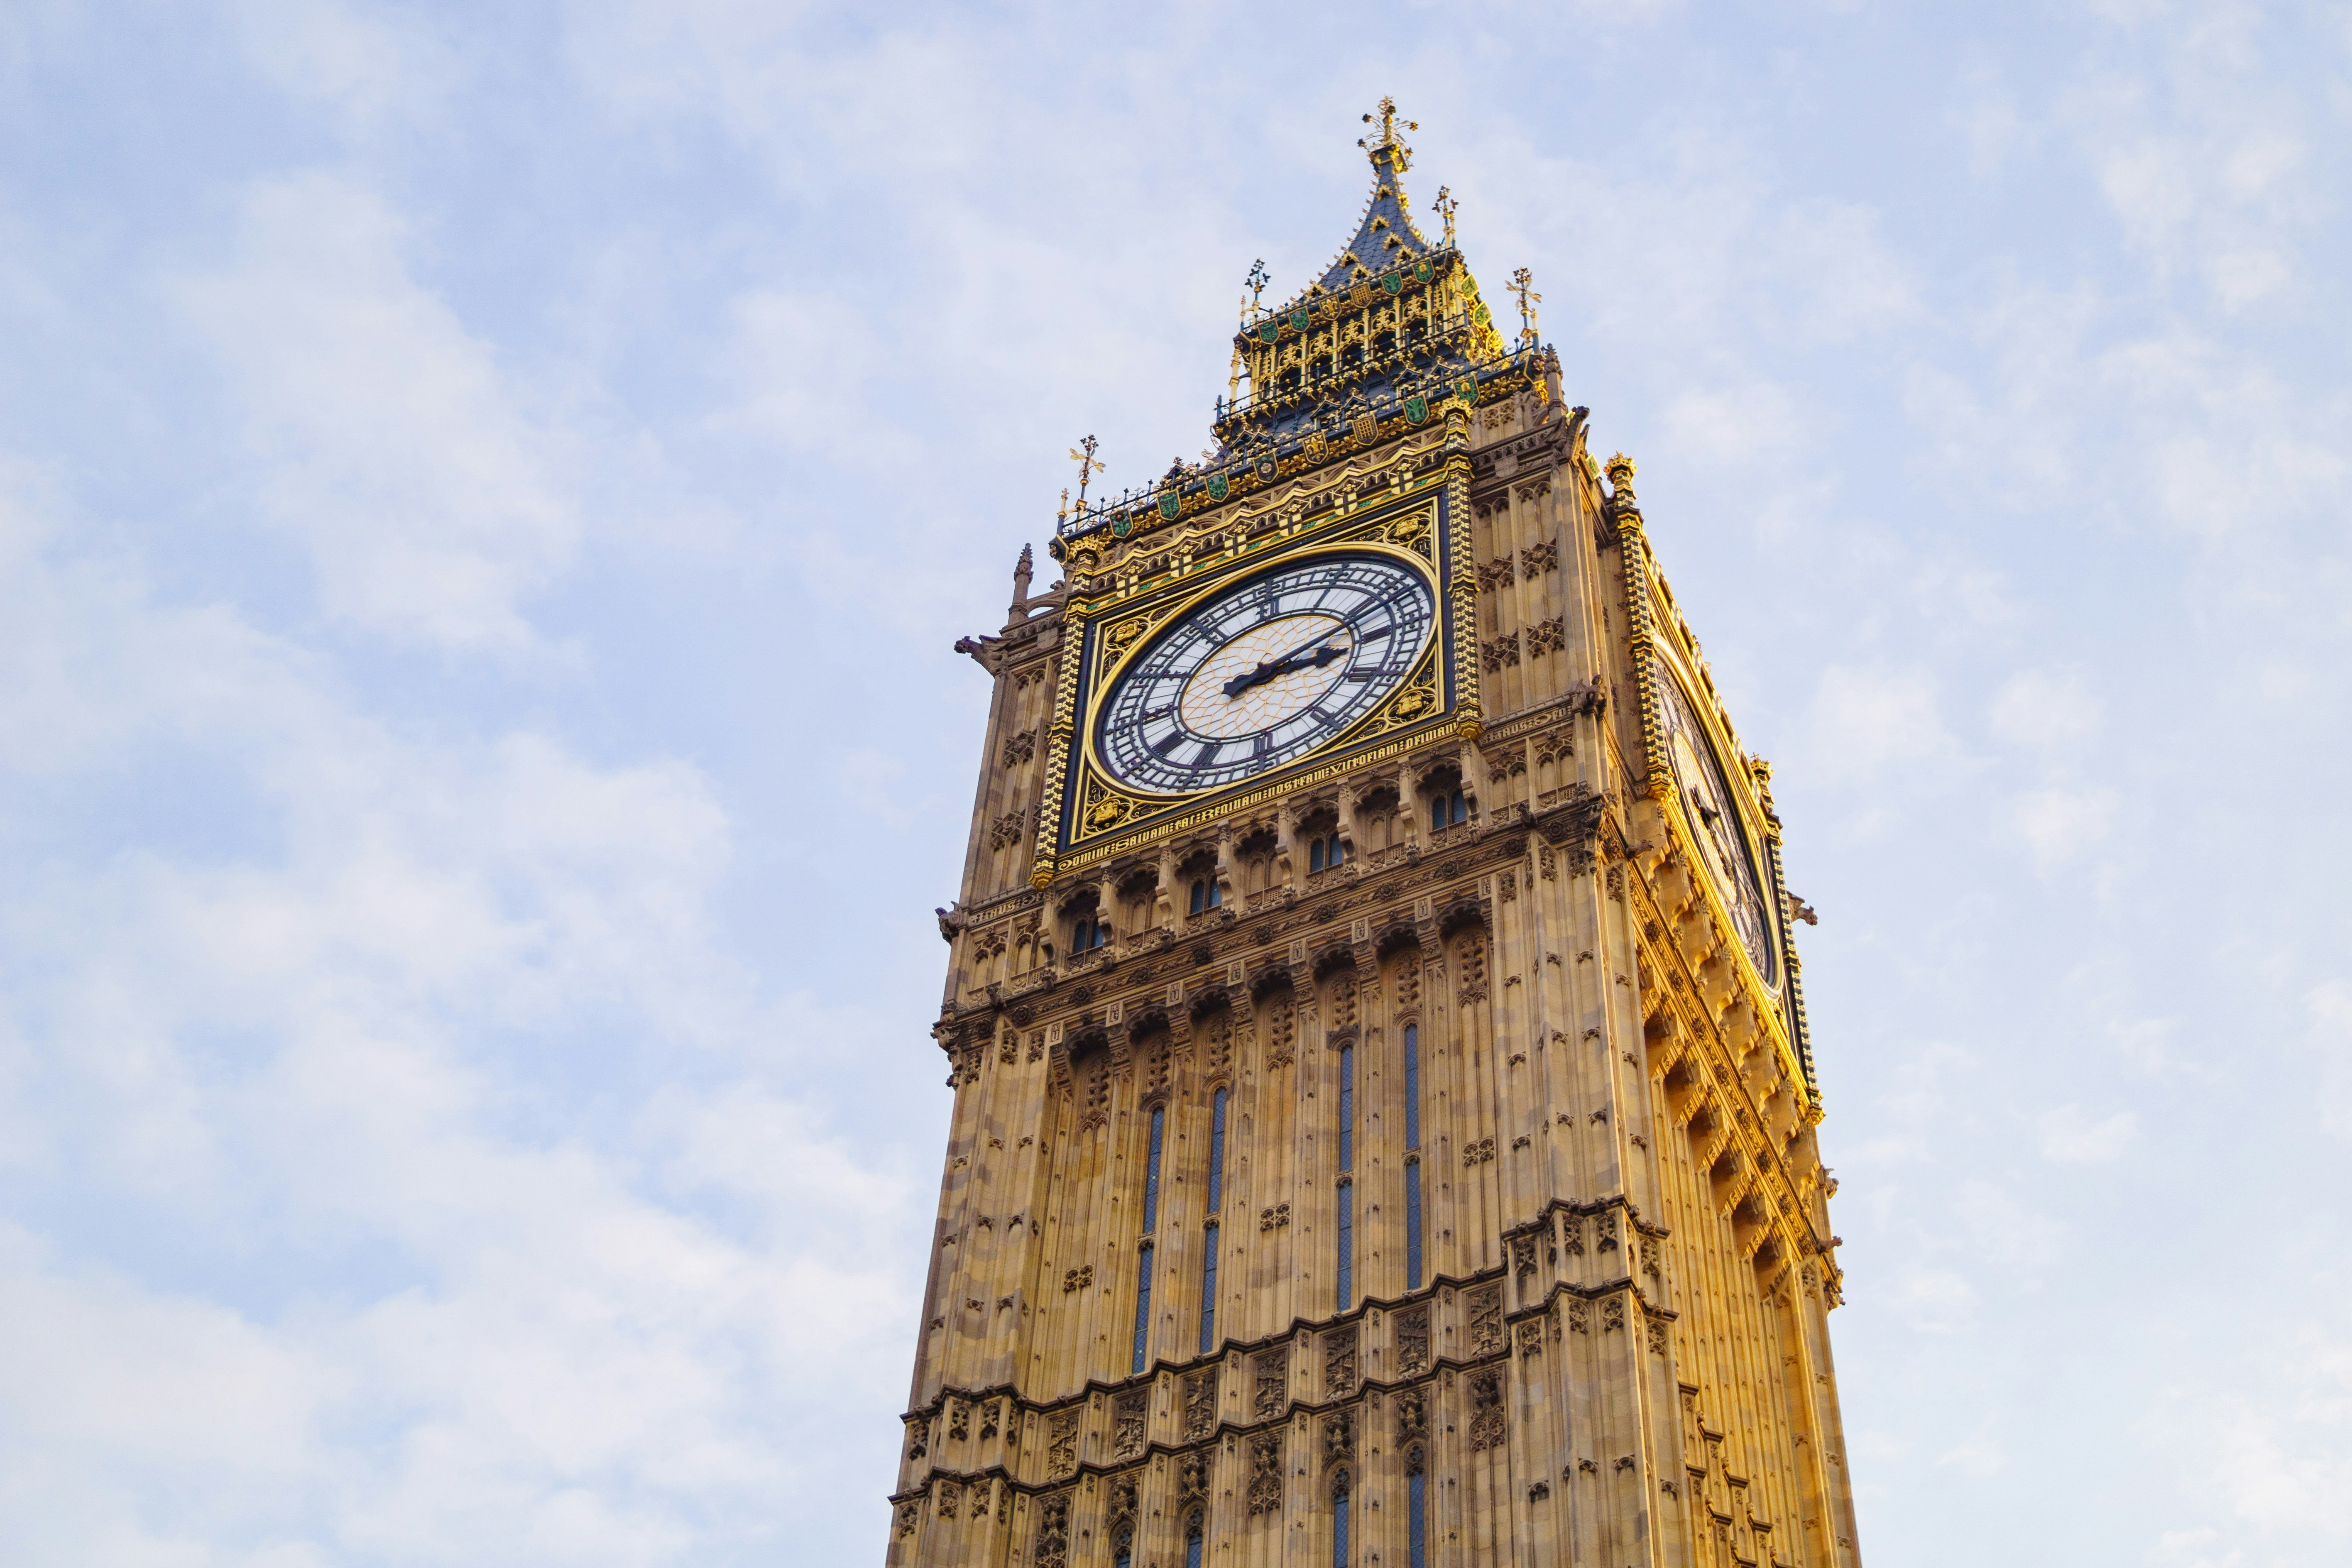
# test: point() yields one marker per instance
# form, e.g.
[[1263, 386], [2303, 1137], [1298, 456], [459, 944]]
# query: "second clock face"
[[1264, 672], [1714, 819]]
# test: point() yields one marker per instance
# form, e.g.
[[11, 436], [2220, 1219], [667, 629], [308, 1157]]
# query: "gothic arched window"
[[1416, 1514], [1346, 1192], [1339, 1520]]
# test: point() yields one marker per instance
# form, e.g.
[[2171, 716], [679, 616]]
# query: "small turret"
[[1021, 574]]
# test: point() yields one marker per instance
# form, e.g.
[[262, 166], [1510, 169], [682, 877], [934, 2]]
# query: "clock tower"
[[1384, 1121]]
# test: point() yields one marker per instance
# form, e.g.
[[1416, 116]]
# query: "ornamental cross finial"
[[1523, 285], [1257, 279], [1388, 130], [1446, 207], [1088, 466]]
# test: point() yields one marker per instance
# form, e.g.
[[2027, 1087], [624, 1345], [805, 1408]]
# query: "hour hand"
[[1314, 657]]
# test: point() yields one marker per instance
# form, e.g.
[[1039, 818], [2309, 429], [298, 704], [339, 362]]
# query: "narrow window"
[[1347, 1108], [1315, 855], [1209, 1288], [1196, 900], [1437, 813], [1460, 812], [1216, 893], [1413, 1156], [1142, 1305], [1217, 1150], [1125, 1557], [1151, 1171], [1347, 1248], [1339, 849], [1193, 1543], [1347, 1184], [1339, 1522], [1416, 1521]]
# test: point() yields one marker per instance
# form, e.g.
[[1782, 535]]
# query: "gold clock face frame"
[[1265, 671], [1718, 825]]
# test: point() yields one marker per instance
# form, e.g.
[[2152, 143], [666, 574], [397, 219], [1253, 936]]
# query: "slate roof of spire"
[[1384, 217]]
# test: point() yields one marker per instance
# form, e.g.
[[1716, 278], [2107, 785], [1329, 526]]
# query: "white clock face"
[[1265, 672], [1714, 817]]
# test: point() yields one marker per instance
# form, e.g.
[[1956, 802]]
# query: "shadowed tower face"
[[1384, 1126]]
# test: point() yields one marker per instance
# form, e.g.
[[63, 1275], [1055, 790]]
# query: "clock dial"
[[1708, 807], [1264, 672]]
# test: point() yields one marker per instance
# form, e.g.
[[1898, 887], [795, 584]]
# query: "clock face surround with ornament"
[[1712, 813], [1264, 672]]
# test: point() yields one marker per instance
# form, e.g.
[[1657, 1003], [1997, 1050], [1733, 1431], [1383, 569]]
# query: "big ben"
[[1384, 1120]]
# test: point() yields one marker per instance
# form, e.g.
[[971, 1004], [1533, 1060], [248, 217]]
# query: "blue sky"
[[485, 496]]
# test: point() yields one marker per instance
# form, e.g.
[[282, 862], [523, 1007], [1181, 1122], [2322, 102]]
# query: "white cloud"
[[2060, 823], [2071, 1138], [2002, 1228], [2045, 708], [387, 440], [577, 1332], [1868, 718]]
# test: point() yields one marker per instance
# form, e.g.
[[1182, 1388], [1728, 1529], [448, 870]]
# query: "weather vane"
[[1088, 466], [1523, 285], [1257, 279], [1446, 207]]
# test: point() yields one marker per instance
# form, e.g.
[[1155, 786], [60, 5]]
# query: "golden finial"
[[1523, 285], [1062, 514], [1088, 466], [1387, 141], [1445, 206], [1620, 472]]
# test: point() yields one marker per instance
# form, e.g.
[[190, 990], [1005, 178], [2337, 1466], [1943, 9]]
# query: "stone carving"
[[1579, 1315], [1538, 558], [1413, 1342], [1612, 1314], [1412, 1415], [1340, 1436], [1546, 636], [1281, 1028], [1019, 747], [1053, 1531], [1486, 1320], [1265, 1474], [1572, 1231], [1122, 1499], [989, 1414], [1506, 888], [1077, 1278], [1523, 1258], [959, 1418], [1127, 1424], [1471, 972], [1657, 1330], [1540, 1491], [1192, 1475], [1531, 1338], [918, 1433], [1007, 829], [1273, 1218], [950, 1496], [1473, 1154], [1061, 1444], [909, 1514], [1500, 653], [1273, 1369], [1408, 984], [1494, 574], [1201, 1404], [1339, 1363], [1604, 1229], [1649, 1255], [1486, 1426]]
